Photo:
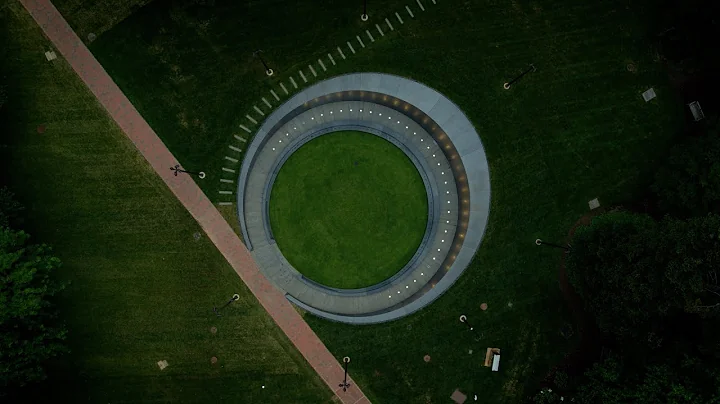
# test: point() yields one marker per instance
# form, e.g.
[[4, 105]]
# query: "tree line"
[[650, 280], [31, 333]]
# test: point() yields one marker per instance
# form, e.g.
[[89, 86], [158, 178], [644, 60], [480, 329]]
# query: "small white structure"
[[496, 362], [162, 364], [697, 112], [594, 204], [50, 55], [649, 94]]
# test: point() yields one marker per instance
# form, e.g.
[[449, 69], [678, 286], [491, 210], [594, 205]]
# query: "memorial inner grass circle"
[[348, 209]]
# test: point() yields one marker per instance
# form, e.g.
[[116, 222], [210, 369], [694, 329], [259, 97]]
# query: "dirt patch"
[[577, 361]]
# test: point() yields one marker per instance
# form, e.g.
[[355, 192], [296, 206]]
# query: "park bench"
[[492, 358], [697, 111]]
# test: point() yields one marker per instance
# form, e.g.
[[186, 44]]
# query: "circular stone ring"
[[436, 136]]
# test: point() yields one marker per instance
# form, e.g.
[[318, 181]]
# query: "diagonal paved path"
[[190, 195]]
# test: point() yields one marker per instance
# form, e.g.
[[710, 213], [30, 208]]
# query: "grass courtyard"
[[142, 288], [348, 210], [574, 130]]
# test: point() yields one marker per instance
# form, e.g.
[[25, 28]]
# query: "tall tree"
[[690, 256], [688, 184], [29, 332], [612, 266], [684, 381]]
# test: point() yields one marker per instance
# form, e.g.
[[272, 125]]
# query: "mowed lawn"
[[348, 209], [142, 288], [574, 130]]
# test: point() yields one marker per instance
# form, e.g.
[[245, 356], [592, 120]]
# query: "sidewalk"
[[190, 195]]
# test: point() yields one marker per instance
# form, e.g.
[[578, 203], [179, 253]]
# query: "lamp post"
[[177, 170], [364, 15], [511, 82], [463, 319], [540, 242], [345, 383], [232, 299], [268, 70]]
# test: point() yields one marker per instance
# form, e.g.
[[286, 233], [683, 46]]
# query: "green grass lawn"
[[574, 130], [348, 209], [142, 288]]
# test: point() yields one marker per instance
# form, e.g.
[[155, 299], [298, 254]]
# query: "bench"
[[492, 358], [697, 111]]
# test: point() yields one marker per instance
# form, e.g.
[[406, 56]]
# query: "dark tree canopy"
[[635, 274], [29, 334], [612, 267], [691, 263], [688, 184], [686, 381]]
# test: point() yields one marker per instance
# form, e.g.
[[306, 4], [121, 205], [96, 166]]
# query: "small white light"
[[442, 241], [448, 201], [447, 192], [389, 296], [428, 147], [406, 286], [407, 127], [331, 112], [370, 111], [350, 109], [438, 250], [422, 274], [321, 114], [389, 118], [273, 148], [422, 140], [398, 121], [280, 141], [445, 182], [380, 113], [313, 118], [398, 292], [442, 172], [360, 110], [433, 155], [341, 110], [445, 231], [295, 128], [414, 280], [433, 258], [414, 133], [438, 163], [447, 221]]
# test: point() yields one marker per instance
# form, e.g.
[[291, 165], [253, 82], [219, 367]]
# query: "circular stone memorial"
[[348, 209], [364, 197]]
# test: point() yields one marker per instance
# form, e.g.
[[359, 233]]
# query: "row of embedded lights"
[[380, 114], [287, 134]]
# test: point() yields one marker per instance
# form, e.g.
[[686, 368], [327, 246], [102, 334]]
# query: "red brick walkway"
[[190, 195]]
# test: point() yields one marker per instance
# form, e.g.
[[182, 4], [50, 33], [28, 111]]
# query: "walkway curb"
[[189, 194]]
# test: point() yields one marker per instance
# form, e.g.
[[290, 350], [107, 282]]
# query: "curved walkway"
[[445, 148], [190, 195]]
